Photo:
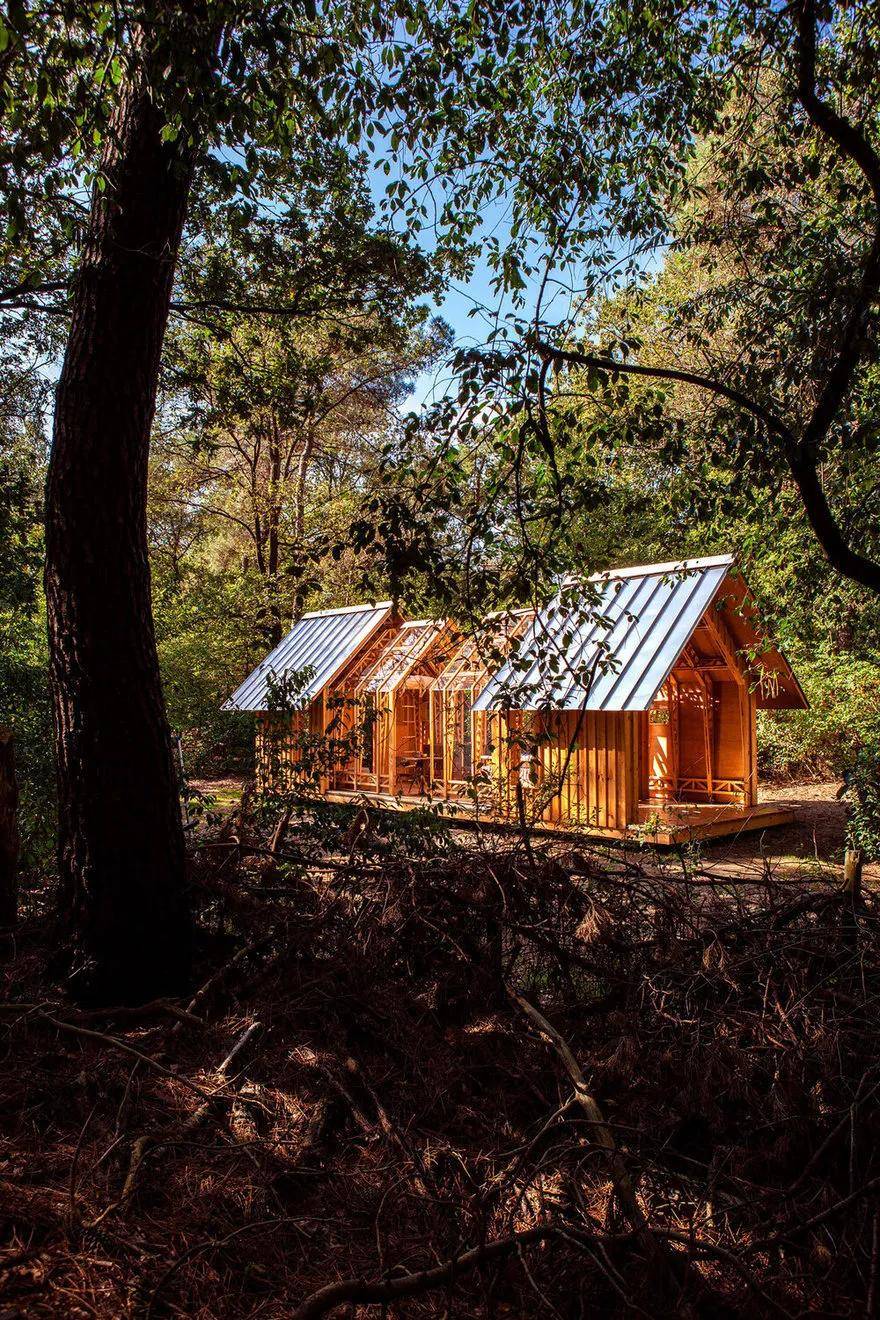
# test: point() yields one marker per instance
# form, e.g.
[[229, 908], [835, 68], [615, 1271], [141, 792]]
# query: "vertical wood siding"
[[590, 768]]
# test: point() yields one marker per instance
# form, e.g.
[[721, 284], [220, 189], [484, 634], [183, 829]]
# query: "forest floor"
[[815, 837], [433, 1074]]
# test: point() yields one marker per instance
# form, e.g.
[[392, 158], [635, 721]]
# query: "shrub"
[[842, 719]]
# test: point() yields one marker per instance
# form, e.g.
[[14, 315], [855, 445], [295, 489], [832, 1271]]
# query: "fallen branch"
[[150, 1141], [378, 1292], [220, 975], [623, 1184], [122, 1045]]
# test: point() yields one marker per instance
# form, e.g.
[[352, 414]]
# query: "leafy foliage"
[[24, 698], [863, 792]]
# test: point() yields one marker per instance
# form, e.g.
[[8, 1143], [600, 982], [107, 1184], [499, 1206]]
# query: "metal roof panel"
[[322, 642], [610, 644]]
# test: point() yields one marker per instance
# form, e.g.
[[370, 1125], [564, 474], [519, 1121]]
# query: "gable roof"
[[321, 642], [468, 665], [409, 645], [611, 643]]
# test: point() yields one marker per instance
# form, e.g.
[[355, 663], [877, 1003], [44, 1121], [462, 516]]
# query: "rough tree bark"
[[275, 626], [9, 838], [120, 837], [299, 514]]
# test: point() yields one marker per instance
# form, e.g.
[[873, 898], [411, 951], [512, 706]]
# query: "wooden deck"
[[679, 821], [664, 825]]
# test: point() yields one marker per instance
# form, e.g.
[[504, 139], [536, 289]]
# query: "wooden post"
[[327, 770], [390, 718], [751, 759], [431, 742], [852, 874], [673, 739], [9, 837], [708, 731]]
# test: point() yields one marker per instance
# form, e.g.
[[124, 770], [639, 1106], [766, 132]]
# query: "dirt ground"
[[816, 834]]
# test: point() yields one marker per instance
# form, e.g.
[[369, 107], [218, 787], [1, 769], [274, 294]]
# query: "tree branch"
[[801, 462], [378, 1291], [851, 140], [767, 416], [854, 144]]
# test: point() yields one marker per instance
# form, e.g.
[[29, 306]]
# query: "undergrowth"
[[454, 1075]]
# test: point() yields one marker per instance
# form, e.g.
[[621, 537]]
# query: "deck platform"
[[666, 825], [677, 822]]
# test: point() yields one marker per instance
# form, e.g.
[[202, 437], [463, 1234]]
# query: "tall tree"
[[119, 817], [582, 120], [135, 100], [256, 404]]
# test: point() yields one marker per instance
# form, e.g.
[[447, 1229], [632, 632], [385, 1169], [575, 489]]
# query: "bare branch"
[[378, 1291]]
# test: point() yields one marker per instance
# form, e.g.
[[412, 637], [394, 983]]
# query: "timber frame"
[[418, 715]]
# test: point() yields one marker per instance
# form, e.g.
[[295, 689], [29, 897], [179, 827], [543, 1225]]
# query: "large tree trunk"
[[275, 628], [121, 841], [299, 518], [9, 839]]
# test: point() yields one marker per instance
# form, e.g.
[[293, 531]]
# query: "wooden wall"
[[280, 742], [574, 768], [589, 768], [699, 741]]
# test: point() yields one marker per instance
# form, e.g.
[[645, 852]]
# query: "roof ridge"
[[670, 566], [343, 609]]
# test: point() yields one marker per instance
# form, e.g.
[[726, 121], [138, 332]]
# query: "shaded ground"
[[361, 1089], [821, 817], [815, 838]]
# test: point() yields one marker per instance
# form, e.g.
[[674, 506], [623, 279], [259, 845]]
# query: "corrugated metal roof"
[[609, 644], [321, 643]]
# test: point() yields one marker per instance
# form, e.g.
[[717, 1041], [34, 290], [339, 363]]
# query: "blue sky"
[[472, 307], [467, 309]]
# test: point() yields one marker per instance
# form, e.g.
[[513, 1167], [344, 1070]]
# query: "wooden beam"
[[724, 640], [673, 737], [752, 762], [390, 718], [325, 777]]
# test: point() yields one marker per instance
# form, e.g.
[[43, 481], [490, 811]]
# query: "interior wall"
[[411, 773], [700, 742]]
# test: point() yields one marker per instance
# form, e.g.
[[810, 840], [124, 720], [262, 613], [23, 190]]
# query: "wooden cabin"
[[461, 737], [386, 691], [627, 704], [303, 726]]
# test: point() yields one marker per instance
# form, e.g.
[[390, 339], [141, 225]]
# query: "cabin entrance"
[[452, 739], [699, 741], [461, 741], [412, 740]]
